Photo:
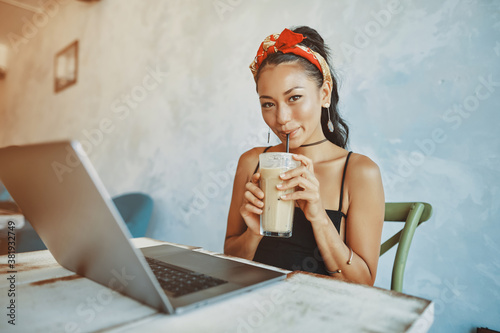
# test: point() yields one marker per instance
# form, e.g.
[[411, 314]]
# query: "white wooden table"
[[49, 298]]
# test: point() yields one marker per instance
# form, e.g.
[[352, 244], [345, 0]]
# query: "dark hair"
[[316, 43]]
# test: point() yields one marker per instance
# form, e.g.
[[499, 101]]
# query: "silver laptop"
[[60, 193]]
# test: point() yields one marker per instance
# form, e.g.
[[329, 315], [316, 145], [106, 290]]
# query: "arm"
[[364, 222], [243, 223], [365, 218]]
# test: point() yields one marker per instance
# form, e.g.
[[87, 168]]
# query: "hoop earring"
[[329, 124]]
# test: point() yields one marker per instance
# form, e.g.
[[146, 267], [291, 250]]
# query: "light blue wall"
[[421, 105], [405, 69]]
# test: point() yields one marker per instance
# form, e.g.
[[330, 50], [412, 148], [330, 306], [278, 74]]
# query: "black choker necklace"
[[314, 143]]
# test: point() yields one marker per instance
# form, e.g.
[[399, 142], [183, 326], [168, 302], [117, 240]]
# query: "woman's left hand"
[[306, 187]]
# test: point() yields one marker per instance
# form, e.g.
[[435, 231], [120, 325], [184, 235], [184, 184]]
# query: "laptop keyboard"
[[180, 281]]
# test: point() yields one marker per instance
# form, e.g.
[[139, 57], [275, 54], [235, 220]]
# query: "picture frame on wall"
[[66, 67]]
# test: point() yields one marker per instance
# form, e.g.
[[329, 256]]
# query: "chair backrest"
[[136, 210], [4, 195], [412, 214]]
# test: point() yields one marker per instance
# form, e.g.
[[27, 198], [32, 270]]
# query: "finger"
[[297, 172], [255, 178], [310, 196], [253, 200], [306, 161], [301, 182], [255, 190], [251, 208], [293, 173]]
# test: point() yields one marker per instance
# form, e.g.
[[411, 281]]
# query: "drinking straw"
[[287, 142]]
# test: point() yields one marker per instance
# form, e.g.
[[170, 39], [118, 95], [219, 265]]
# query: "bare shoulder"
[[362, 169], [248, 160], [364, 187], [251, 156]]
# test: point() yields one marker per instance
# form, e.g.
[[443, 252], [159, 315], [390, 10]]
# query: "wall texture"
[[165, 104]]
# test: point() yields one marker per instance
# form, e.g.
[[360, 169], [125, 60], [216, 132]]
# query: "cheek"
[[309, 110], [269, 118]]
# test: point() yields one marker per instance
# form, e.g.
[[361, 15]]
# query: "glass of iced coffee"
[[277, 216]]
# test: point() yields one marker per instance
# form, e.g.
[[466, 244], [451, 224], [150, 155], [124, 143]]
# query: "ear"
[[326, 93]]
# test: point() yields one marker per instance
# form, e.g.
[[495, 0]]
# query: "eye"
[[267, 105], [295, 98]]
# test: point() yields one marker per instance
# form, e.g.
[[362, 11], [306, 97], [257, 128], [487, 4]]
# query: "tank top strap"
[[257, 168], [343, 179]]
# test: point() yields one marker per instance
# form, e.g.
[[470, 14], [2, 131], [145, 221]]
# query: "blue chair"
[[4, 195], [136, 210]]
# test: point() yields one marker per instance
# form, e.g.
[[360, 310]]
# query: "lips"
[[292, 133]]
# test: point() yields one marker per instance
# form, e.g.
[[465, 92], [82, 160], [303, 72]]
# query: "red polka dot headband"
[[287, 42]]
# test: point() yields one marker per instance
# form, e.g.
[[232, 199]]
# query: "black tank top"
[[299, 252]]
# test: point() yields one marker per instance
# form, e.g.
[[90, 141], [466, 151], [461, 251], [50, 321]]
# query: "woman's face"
[[291, 103]]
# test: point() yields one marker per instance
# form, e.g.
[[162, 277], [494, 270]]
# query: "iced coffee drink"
[[277, 217]]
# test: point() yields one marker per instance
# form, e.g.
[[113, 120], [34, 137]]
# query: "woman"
[[339, 195]]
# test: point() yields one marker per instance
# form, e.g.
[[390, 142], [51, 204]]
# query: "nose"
[[284, 114]]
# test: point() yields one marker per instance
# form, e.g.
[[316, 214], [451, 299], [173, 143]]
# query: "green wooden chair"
[[412, 214]]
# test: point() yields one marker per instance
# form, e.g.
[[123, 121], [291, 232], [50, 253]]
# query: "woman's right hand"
[[253, 204]]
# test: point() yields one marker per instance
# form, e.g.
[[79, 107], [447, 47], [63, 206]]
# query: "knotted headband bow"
[[287, 42]]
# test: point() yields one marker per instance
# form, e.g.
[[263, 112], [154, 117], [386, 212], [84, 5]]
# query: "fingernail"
[[283, 197], [279, 185], [282, 175]]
